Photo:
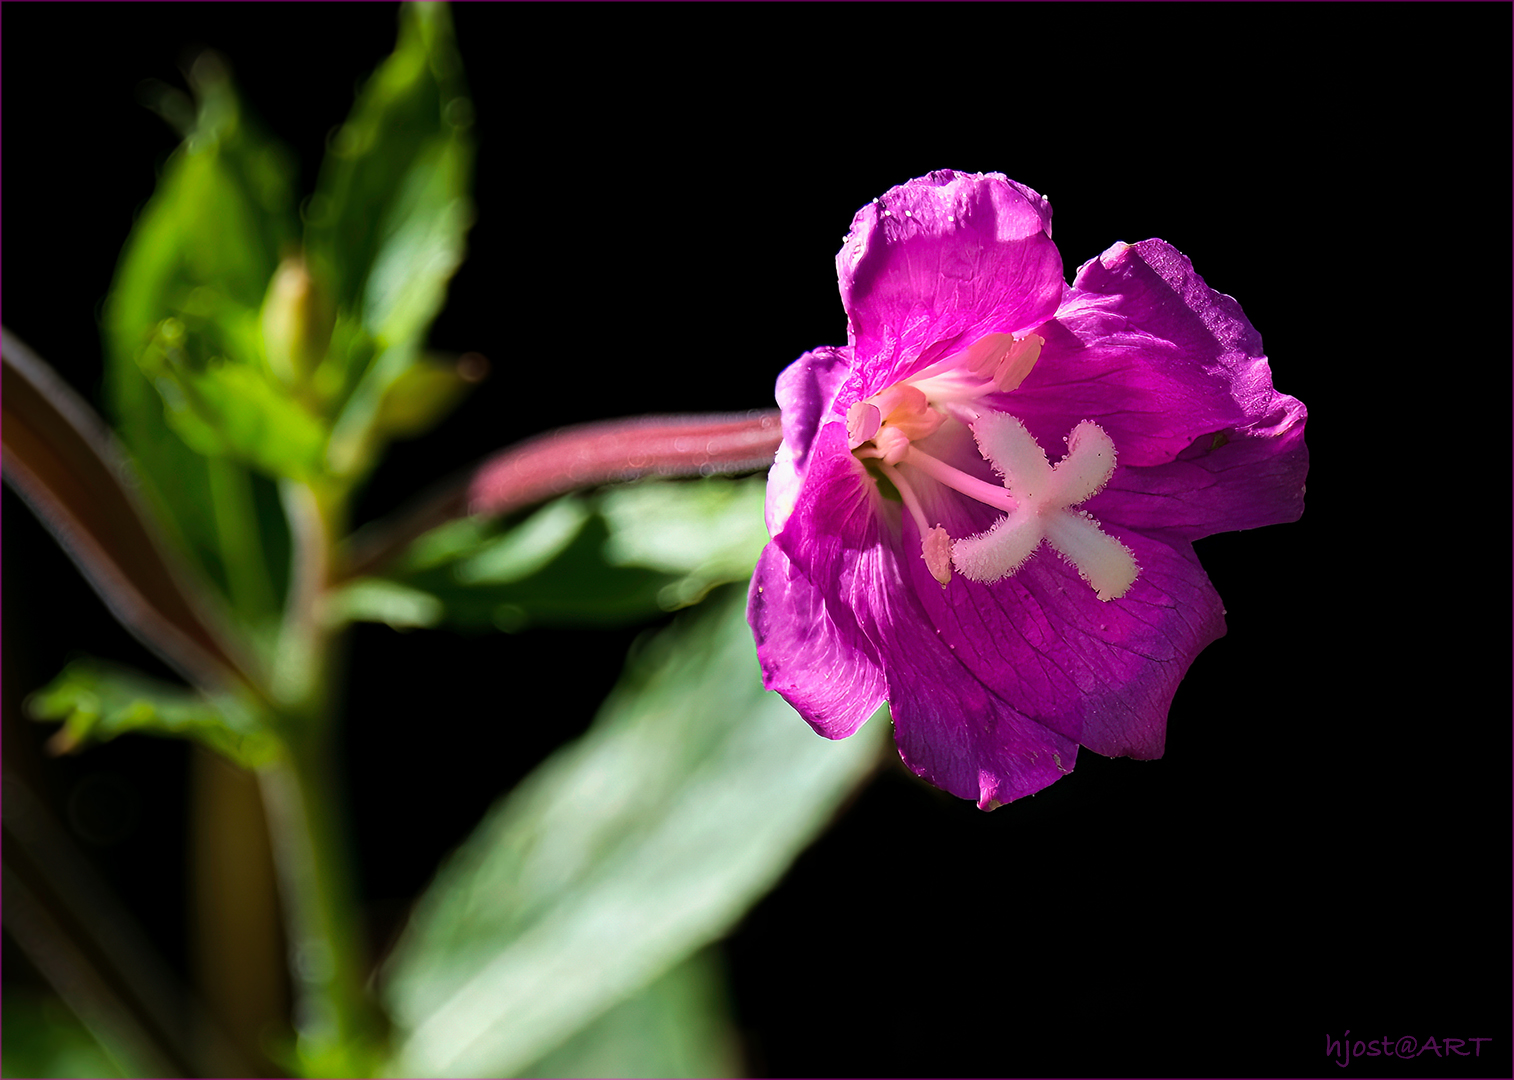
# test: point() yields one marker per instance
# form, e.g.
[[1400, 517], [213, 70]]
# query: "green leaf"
[[426, 392], [201, 253], [392, 202], [386, 226], [98, 701], [43, 1038], [621, 555], [677, 1025], [702, 533], [620, 856], [221, 407], [377, 600]]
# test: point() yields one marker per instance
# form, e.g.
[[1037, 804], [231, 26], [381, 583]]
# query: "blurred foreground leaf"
[[677, 1025], [620, 856], [42, 1038], [70, 469], [98, 701], [623, 554]]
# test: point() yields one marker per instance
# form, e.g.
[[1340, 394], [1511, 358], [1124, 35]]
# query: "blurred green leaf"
[[43, 1038], [678, 1025], [221, 407], [620, 856], [701, 532], [617, 556], [98, 701], [426, 392], [396, 180], [201, 254], [377, 600], [62, 459], [387, 223]]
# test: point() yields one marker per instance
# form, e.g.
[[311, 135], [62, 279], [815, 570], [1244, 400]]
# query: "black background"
[[661, 191]]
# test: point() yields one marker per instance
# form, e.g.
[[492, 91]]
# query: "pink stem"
[[616, 450]]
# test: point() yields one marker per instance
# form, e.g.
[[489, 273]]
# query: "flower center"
[[1047, 496], [1038, 499]]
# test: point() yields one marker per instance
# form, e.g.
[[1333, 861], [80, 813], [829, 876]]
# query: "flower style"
[[927, 552]]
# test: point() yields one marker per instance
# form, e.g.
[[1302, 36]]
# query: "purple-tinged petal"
[[806, 395], [936, 263], [955, 732], [806, 392], [838, 517], [1233, 479], [1100, 673], [1143, 347], [951, 730], [811, 653]]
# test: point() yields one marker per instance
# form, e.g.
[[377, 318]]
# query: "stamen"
[[936, 550], [958, 480], [1017, 362], [1004, 360], [993, 363], [862, 423], [892, 443], [935, 544]]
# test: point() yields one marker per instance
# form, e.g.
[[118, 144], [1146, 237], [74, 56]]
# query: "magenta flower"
[[927, 552]]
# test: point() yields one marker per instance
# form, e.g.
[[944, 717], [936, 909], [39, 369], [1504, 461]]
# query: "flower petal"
[[954, 732], [1232, 479], [938, 262], [806, 394], [811, 652], [951, 729], [1143, 347], [838, 516], [1100, 673]]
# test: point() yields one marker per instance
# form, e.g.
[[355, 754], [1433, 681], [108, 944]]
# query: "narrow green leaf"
[[386, 226], [201, 254], [427, 392], [620, 856], [423, 241], [617, 556], [98, 701], [376, 600]]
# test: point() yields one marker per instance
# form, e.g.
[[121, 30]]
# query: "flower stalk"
[[338, 1026]]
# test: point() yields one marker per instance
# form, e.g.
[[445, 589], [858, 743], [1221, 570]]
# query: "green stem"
[[241, 543], [337, 1024]]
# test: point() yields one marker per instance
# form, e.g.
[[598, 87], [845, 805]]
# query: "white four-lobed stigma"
[[1046, 497]]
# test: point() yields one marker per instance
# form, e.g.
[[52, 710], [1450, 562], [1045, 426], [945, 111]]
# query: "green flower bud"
[[297, 320]]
